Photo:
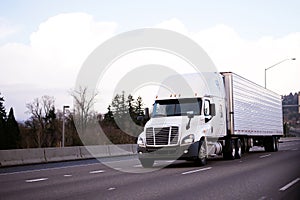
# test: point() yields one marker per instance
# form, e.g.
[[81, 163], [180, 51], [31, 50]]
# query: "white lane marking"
[[35, 180], [264, 156], [170, 161], [289, 184], [262, 198], [137, 166], [197, 170], [97, 171], [111, 188], [67, 175], [54, 168]]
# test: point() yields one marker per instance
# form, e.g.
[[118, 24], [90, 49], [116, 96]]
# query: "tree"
[[42, 121], [83, 103], [2, 123], [12, 131]]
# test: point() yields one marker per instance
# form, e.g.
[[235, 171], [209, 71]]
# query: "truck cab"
[[185, 124]]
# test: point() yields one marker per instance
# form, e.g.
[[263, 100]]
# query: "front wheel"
[[147, 163], [202, 154]]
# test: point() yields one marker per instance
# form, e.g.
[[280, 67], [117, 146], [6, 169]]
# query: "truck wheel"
[[245, 147], [276, 143], [147, 163], [229, 151], [238, 149], [202, 157], [270, 144]]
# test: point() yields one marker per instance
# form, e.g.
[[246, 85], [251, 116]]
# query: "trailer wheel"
[[238, 149], [271, 144], [202, 154], [147, 163], [229, 151], [276, 143]]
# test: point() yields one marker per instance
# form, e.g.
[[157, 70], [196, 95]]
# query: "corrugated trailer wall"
[[252, 109]]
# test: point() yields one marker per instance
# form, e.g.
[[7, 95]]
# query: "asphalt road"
[[257, 175]]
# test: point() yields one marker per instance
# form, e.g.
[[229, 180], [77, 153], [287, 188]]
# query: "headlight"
[[141, 141], [188, 139]]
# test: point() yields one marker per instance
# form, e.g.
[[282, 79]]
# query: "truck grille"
[[162, 136]]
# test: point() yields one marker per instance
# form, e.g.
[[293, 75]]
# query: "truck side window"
[[206, 108]]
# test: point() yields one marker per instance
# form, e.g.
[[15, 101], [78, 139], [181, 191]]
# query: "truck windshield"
[[177, 107]]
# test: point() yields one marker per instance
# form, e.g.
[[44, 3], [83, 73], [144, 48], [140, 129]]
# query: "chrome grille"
[[162, 135]]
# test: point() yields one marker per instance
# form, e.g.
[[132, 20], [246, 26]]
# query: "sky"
[[43, 44]]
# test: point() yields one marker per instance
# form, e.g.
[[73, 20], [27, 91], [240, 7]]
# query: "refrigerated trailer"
[[196, 116]]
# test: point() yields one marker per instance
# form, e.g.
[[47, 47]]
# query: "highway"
[[257, 175]]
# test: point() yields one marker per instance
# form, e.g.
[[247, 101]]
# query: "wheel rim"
[[202, 152]]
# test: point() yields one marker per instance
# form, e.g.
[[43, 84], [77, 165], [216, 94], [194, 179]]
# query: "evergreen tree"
[[2, 123], [139, 110], [12, 131], [108, 117], [130, 104]]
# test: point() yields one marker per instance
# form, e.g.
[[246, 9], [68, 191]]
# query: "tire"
[[147, 163], [244, 145], [229, 151], [238, 149], [202, 154], [271, 144], [276, 143]]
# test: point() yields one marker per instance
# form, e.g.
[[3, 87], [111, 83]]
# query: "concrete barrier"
[[120, 150], [62, 154], [43, 155], [21, 156], [96, 151]]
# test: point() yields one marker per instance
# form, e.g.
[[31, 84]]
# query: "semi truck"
[[197, 116]]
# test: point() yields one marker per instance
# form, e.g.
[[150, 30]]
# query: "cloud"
[[231, 52], [59, 46], [6, 28], [52, 59], [56, 50]]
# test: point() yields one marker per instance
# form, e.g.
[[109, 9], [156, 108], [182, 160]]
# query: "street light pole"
[[274, 66], [63, 128]]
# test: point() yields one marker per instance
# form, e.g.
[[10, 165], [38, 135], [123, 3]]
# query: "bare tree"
[[42, 114], [83, 103]]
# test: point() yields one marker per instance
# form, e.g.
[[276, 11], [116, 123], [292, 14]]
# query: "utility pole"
[[63, 127]]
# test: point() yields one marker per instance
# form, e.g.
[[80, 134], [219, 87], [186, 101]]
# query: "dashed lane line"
[[264, 156], [36, 180], [289, 184], [96, 172], [197, 170]]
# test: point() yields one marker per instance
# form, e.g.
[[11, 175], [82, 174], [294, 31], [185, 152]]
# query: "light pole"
[[63, 128], [274, 66]]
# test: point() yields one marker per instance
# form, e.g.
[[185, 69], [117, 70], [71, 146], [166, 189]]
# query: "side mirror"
[[190, 114], [212, 109], [147, 115]]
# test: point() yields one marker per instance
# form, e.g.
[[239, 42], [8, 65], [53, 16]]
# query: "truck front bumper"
[[184, 152]]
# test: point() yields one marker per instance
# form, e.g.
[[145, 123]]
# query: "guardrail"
[[45, 155]]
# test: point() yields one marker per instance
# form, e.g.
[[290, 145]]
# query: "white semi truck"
[[214, 114]]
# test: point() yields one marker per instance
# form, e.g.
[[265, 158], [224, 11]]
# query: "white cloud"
[[52, 59], [56, 51], [249, 58], [60, 45], [6, 28]]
